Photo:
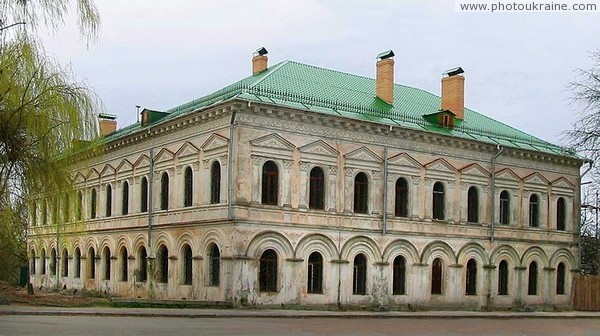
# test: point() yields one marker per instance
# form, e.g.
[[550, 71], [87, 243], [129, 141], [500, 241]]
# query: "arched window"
[[503, 278], [123, 255], [270, 180], [215, 183], [214, 266], [32, 262], [315, 273], [534, 209], [268, 271], [44, 209], [93, 204], [164, 191], [144, 195], [561, 214], [401, 205], [187, 264], [66, 204], [399, 276], [361, 193], [504, 208], [54, 212], [77, 263], [473, 205], [108, 200], [53, 261], [33, 213], [65, 263], [438, 201], [188, 183], [163, 264], [106, 259], [142, 271], [79, 209], [43, 262], [471, 284], [436, 277], [317, 189], [125, 200], [533, 275], [560, 279], [91, 257], [359, 283]]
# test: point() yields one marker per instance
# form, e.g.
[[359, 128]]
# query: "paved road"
[[93, 325]]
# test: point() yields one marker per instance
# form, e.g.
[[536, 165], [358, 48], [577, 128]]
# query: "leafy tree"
[[42, 111]]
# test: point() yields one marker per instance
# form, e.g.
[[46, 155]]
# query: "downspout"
[[230, 169], [385, 195], [150, 256], [493, 190], [591, 162]]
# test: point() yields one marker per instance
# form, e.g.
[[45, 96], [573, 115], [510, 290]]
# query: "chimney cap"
[[107, 116], [261, 51], [386, 54], [453, 71]]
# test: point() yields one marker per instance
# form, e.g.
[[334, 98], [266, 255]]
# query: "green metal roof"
[[326, 91]]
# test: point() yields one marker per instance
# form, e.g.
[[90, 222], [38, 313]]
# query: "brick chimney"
[[107, 123], [453, 92], [385, 76], [260, 61]]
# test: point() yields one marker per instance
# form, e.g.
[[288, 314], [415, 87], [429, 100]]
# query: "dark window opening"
[[533, 275], [268, 271], [32, 262], [106, 257], [438, 201], [77, 265], [164, 191], [473, 205], [361, 193], [215, 183], [33, 213], [359, 283], [534, 208], [561, 214], [471, 285], [436, 277], [214, 267], [44, 213], [503, 278], [65, 263], [401, 205], [317, 189], [315, 273], [399, 276], [163, 264], [66, 203], [43, 262], [187, 265], [270, 180], [79, 205], [124, 264], [125, 200], [93, 204], [53, 262], [188, 187], [142, 264], [91, 263], [504, 208], [560, 279], [144, 195], [108, 200]]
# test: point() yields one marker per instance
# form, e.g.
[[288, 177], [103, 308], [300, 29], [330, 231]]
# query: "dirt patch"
[[64, 298]]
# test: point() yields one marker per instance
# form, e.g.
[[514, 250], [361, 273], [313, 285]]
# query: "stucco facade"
[[241, 137]]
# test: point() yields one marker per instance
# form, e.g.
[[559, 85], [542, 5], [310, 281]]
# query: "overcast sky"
[[161, 54]]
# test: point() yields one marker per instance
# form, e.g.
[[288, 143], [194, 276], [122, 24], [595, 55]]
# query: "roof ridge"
[[268, 72]]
